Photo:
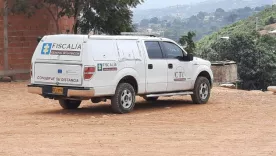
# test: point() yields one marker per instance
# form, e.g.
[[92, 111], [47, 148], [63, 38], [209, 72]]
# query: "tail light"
[[88, 72]]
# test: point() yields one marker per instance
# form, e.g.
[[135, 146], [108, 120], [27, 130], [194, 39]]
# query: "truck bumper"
[[69, 92]]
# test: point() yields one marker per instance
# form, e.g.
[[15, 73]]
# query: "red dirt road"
[[233, 123]]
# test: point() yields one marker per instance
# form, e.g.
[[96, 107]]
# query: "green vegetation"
[[255, 56], [254, 53], [243, 26], [187, 40]]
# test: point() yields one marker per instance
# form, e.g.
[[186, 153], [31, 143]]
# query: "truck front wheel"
[[202, 91], [69, 104]]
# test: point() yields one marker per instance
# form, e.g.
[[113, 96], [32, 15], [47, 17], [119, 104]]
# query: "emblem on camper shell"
[[46, 48], [61, 49]]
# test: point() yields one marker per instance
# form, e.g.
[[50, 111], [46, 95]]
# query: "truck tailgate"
[[58, 74]]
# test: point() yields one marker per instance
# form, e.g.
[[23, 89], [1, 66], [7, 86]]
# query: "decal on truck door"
[[179, 74], [107, 67], [100, 67], [61, 49]]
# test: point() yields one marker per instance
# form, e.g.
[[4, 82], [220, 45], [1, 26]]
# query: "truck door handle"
[[170, 66], [150, 66]]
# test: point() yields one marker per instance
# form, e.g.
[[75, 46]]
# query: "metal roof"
[[222, 63]]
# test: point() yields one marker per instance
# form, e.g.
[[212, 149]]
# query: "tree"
[[164, 23], [258, 9], [112, 19], [271, 20], [219, 13], [232, 18], [255, 56], [144, 23], [177, 22], [267, 63], [201, 15], [220, 10], [194, 22], [154, 20], [214, 28], [188, 41], [247, 9]]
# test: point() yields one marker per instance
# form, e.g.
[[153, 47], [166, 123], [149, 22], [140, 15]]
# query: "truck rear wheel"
[[202, 91], [69, 104], [124, 99]]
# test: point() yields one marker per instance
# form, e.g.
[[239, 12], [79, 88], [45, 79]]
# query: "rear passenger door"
[[156, 68]]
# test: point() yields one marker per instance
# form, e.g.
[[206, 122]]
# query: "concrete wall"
[[22, 36], [225, 72]]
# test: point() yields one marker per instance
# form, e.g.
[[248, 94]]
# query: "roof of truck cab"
[[120, 37]]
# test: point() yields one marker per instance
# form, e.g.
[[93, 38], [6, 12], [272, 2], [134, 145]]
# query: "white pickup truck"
[[73, 68]]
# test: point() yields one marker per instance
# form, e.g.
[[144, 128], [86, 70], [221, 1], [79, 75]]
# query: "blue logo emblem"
[[46, 48], [60, 71]]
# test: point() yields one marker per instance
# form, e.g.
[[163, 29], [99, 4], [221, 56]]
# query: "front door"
[[179, 72], [156, 67]]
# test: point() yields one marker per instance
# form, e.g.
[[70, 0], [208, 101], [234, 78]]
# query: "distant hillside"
[[202, 23], [266, 17], [185, 11]]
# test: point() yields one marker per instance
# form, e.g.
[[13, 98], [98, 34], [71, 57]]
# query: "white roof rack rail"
[[140, 34]]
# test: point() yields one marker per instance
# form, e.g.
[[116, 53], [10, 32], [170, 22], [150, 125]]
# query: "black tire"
[[124, 99], [69, 104], [200, 96], [151, 99]]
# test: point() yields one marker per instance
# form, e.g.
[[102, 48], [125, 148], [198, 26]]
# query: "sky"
[[153, 4]]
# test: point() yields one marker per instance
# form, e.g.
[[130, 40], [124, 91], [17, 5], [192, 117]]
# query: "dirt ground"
[[234, 122]]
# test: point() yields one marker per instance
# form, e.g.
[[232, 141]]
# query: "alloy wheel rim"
[[126, 99], [203, 91]]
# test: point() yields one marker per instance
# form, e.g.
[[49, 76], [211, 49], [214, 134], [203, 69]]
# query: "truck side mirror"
[[189, 57]]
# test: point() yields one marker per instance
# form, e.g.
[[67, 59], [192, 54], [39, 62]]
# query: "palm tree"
[[187, 40]]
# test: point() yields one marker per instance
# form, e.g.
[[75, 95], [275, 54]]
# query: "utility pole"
[[6, 42], [257, 23]]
